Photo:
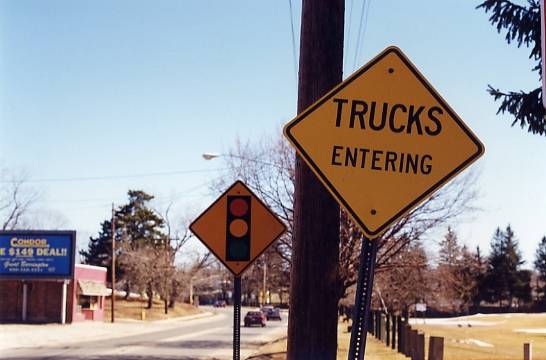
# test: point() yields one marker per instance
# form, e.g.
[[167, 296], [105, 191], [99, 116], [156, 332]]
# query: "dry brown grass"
[[507, 344], [132, 309], [375, 350], [497, 330]]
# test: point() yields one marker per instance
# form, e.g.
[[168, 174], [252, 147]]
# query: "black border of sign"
[[428, 86], [261, 202], [71, 235]]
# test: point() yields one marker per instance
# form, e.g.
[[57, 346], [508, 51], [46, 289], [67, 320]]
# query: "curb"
[[258, 355], [186, 318]]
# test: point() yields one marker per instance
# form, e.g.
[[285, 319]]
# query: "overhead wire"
[[157, 199], [348, 33], [293, 41], [369, 2], [361, 29], [359, 32], [113, 177]]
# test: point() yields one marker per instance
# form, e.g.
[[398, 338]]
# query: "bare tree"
[[16, 198], [443, 207], [401, 286], [178, 236], [194, 274], [46, 219], [267, 166]]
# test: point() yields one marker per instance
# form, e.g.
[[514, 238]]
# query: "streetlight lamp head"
[[210, 156]]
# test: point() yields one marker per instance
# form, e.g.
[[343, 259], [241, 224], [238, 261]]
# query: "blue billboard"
[[37, 254]]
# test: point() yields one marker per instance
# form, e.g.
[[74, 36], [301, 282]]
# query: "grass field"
[[375, 350], [481, 337], [132, 309], [489, 337]]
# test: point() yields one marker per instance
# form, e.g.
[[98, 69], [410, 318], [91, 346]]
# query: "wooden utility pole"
[[314, 289], [113, 295]]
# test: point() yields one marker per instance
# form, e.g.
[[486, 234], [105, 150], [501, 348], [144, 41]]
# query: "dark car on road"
[[273, 314], [220, 303], [254, 318]]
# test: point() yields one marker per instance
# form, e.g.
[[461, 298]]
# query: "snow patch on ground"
[[458, 321], [475, 342], [532, 331]]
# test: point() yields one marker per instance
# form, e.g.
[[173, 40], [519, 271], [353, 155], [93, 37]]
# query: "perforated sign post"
[[381, 142], [543, 49], [237, 228]]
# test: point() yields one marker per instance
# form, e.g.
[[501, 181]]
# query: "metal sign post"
[[237, 228], [543, 48], [236, 318], [361, 312]]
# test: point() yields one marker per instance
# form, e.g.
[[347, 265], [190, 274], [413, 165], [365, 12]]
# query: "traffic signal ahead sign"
[[237, 228], [382, 141]]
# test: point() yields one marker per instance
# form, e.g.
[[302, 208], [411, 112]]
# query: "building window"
[[88, 302]]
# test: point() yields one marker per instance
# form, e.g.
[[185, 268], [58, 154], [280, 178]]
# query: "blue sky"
[[103, 88]]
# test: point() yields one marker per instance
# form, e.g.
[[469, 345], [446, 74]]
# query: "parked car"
[[254, 318], [273, 314], [220, 303], [265, 309]]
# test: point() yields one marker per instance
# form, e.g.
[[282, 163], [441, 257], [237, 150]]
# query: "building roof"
[[92, 288], [85, 266]]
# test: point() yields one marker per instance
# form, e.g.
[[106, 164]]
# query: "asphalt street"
[[202, 338]]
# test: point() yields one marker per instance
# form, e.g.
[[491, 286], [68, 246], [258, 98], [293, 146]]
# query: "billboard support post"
[[25, 301], [63, 303]]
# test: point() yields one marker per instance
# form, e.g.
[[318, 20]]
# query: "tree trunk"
[[127, 290], [166, 304], [150, 293], [312, 326]]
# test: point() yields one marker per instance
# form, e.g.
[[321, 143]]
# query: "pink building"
[[87, 293]]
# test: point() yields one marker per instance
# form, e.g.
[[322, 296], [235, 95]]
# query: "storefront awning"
[[92, 288]]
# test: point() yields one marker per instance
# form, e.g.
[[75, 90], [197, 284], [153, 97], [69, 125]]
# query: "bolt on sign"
[[382, 141], [237, 228]]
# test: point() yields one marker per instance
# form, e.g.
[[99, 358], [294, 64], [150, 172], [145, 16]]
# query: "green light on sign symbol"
[[238, 249], [238, 228]]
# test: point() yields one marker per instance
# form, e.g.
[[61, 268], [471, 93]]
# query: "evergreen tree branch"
[[519, 22], [526, 108]]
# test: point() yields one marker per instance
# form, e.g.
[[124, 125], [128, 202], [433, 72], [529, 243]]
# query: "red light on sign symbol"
[[238, 228], [238, 207]]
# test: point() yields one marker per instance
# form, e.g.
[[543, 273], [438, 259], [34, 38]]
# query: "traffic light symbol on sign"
[[238, 228]]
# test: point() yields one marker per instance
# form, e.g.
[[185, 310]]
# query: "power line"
[[107, 200], [361, 28], [293, 40], [348, 33], [113, 177], [359, 33], [365, 22], [157, 199]]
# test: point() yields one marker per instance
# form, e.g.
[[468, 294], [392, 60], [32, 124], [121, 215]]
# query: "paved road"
[[203, 338]]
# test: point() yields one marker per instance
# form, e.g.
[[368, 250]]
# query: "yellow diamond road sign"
[[237, 228], [383, 140]]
